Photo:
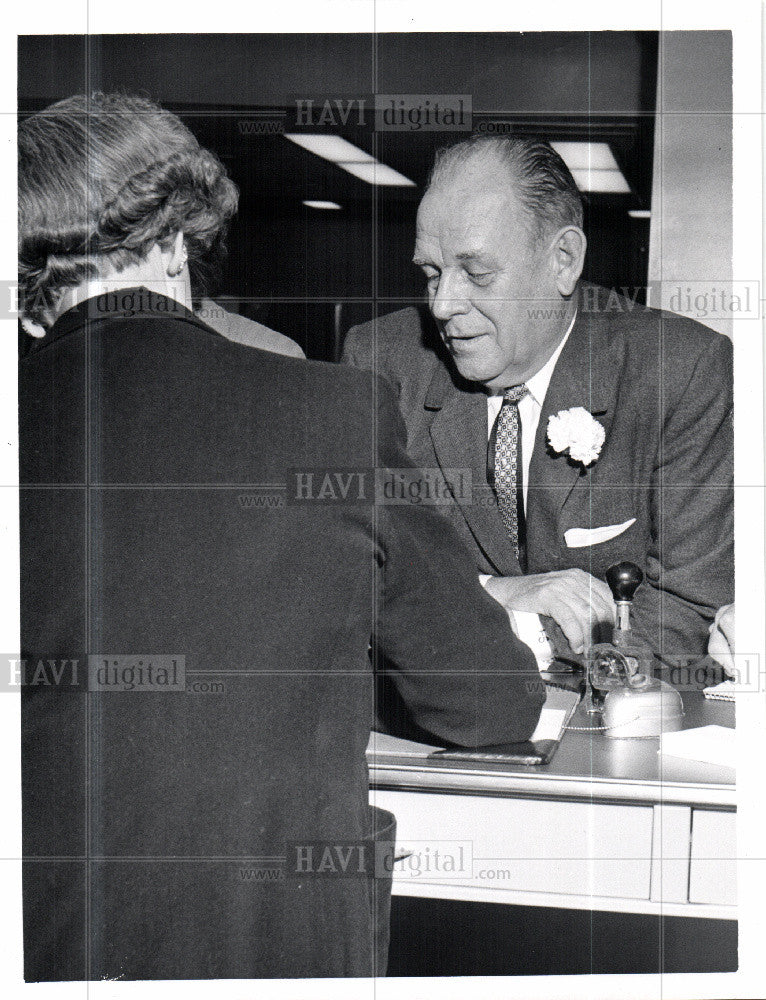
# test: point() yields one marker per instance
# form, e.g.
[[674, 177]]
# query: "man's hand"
[[721, 644], [574, 599]]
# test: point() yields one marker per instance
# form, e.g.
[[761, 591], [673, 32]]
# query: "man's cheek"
[[484, 310]]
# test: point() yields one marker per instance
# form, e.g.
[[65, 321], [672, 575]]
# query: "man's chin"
[[488, 378], [472, 370], [488, 371]]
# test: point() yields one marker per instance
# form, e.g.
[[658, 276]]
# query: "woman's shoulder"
[[242, 330]]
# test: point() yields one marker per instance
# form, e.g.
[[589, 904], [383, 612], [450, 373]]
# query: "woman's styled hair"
[[101, 180]]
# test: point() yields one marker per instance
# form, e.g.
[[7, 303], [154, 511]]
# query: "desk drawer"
[[531, 845], [713, 866]]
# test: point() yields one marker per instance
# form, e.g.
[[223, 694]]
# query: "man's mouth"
[[462, 339]]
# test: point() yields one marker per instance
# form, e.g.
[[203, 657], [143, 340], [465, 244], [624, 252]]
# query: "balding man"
[[595, 429]]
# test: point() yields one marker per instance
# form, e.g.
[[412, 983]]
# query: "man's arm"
[[459, 668], [690, 563]]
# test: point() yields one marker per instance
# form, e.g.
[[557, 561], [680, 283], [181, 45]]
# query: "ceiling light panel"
[[331, 147], [586, 155], [377, 173]]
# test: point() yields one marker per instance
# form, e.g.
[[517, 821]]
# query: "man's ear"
[[567, 258]]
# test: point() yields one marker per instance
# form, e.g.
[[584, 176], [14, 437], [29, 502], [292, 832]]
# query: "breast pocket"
[[580, 538]]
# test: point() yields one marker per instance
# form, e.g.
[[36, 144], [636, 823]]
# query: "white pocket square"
[[578, 538]]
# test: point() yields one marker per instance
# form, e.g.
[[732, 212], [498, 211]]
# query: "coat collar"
[[124, 304]]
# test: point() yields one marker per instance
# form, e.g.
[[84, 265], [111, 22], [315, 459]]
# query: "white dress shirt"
[[528, 625]]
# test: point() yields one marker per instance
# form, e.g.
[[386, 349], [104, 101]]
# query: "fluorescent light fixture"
[[351, 158], [321, 204], [640, 213], [586, 155], [593, 166], [605, 181], [378, 173], [331, 147]]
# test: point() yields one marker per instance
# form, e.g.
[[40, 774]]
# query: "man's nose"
[[449, 299]]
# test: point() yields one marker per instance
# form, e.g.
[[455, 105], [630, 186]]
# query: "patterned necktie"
[[506, 468]]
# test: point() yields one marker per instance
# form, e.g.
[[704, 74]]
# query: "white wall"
[[690, 245]]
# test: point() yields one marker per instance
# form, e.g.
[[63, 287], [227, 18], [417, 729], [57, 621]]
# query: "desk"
[[607, 825]]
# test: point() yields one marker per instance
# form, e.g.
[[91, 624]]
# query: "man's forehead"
[[467, 220], [469, 189]]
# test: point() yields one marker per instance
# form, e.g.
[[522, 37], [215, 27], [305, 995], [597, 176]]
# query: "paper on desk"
[[549, 724], [382, 743], [548, 728], [530, 630], [709, 744]]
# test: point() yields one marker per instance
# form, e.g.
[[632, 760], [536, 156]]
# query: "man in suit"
[[196, 610], [500, 241]]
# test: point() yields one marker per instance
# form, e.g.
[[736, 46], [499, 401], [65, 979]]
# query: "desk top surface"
[[586, 765]]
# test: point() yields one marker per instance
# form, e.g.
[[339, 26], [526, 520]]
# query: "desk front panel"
[[528, 845]]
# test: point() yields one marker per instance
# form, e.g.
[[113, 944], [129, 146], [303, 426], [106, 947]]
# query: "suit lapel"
[[583, 376], [459, 436]]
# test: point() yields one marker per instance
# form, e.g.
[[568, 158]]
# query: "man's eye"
[[480, 278], [432, 278]]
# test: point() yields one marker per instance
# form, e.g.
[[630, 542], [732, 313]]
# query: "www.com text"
[[262, 874], [250, 127], [261, 501]]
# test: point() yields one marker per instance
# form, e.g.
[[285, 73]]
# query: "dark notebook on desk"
[[560, 704]]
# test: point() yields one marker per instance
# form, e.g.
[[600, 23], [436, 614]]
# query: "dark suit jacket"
[[661, 385], [157, 518]]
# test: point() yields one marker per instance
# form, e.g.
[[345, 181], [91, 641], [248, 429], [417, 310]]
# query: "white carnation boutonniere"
[[578, 432]]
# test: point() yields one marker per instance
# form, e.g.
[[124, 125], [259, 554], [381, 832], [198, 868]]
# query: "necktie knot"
[[514, 393]]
